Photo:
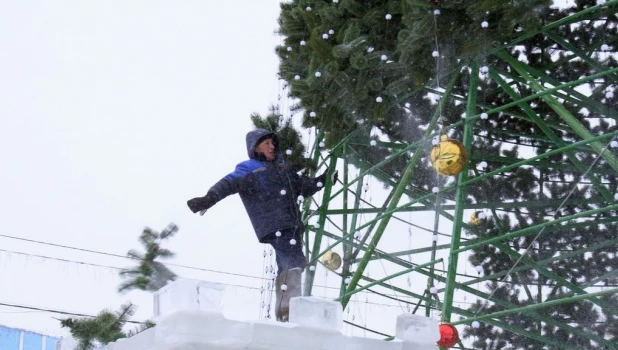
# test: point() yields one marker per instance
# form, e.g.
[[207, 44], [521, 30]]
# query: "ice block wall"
[[189, 316]]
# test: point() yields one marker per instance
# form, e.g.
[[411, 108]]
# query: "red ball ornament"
[[448, 336]]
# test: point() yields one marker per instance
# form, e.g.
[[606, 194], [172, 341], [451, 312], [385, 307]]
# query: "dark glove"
[[322, 178], [201, 203]]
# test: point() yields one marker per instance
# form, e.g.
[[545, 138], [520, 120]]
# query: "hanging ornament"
[[312, 268], [325, 36], [278, 233], [449, 156], [613, 144], [322, 144], [331, 32], [483, 165], [434, 238], [331, 260], [448, 336], [289, 48], [484, 24], [477, 218], [347, 280], [609, 94], [292, 241], [484, 69], [383, 57], [478, 269], [373, 142], [300, 198], [284, 287], [388, 16], [312, 114], [436, 12], [303, 43], [297, 77], [318, 74], [379, 99], [283, 192], [288, 152], [308, 8], [604, 47], [435, 53], [433, 290], [484, 116]]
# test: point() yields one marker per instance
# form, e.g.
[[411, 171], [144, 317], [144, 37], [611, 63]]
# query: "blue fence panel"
[[9, 338], [33, 341], [50, 343]]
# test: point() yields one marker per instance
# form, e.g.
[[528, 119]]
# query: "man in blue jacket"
[[270, 191]]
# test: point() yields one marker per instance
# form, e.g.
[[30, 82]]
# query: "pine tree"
[[105, 328], [149, 275], [359, 67]]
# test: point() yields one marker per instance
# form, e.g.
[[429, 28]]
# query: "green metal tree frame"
[[364, 250]]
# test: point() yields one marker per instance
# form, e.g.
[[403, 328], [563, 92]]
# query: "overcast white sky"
[[113, 114]]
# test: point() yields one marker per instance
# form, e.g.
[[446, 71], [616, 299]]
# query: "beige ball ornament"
[[331, 260]]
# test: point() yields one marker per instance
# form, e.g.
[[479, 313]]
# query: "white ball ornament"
[[484, 69], [604, 47], [379, 99], [309, 8], [475, 324], [483, 165], [322, 144], [335, 1], [435, 141], [278, 233], [373, 142], [614, 144], [407, 104], [289, 48], [303, 43], [297, 77], [616, 196], [484, 24], [484, 115], [435, 53], [433, 290], [319, 184], [316, 225], [357, 235], [479, 269], [434, 238], [436, 12], [388, 16], [288, 152], [283, 192], [284, 287], [331, 32], [311, 268], [481, 215], [383, 57], [324, 36], [366, 187], [312, 114], [348, 280], [435, 190], [318, 74], [301, 198], [292, 241], [609, 94]]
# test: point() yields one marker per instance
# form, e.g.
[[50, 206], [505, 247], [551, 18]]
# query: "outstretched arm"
[[230, 184]]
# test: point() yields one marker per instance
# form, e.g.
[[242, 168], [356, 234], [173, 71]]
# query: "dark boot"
[[292, 280]]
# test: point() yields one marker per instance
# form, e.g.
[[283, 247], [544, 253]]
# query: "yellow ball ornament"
[[449, 156], [331, 260], [477, 218]]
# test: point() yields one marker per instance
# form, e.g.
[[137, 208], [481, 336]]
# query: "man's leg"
[[290, 263]]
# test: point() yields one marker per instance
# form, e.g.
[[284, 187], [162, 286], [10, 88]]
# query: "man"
[[269, 190]]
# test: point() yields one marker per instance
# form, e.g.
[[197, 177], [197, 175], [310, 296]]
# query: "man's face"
[[267, 147]]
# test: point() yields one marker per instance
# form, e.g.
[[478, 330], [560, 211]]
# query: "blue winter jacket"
[[269, 189]]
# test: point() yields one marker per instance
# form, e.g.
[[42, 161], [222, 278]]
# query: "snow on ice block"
[[198, 330], [417, 330], [272, 335], [186, 294], [316, 312]]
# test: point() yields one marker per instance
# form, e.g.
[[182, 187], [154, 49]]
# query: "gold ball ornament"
[[331, 260], [477, 218], [449, 156]]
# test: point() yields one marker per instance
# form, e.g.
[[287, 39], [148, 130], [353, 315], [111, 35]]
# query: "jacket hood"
[[256, 136]]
